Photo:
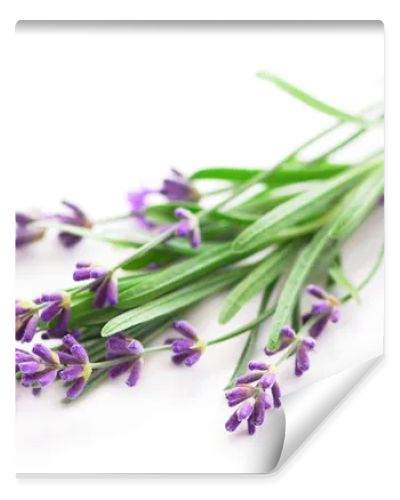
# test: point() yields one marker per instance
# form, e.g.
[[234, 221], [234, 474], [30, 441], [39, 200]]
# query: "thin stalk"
[[129, 357], [116, 218]]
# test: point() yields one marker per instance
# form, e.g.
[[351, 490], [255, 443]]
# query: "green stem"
[[116, 218], [243, 329], [129, 357]]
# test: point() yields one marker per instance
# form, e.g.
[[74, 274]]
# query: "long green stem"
[[129, 357]]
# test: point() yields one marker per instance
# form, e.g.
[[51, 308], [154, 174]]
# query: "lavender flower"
[[26, 321], [327, 307], [25, 233], [77, 367], [287, 336], [138, 202], [76, 217], [187, 350], [302, 362], [188, 226], [301, 346], [58, 306], [105, 285], [178, 188], [119, 345], [41, 367], [250, 393]]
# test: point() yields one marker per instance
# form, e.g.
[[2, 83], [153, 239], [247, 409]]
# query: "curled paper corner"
[[306, 409]]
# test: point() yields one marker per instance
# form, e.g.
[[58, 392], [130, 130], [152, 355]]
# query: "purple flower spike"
[[239, 394], [287, 336], [248, 378], [302, 363], [232, 423], [178, 188], [188, 226], [58, 306], [187, 351], [324, 310], [41, 367], [26, 321], [77, 366], [257, 365], [134, 373], [76, 388], [276, 395], [316, 291], [75, 217], [138, 201], [185, 328], [105, 285], [250, 393], [25, 233], [119, 345]]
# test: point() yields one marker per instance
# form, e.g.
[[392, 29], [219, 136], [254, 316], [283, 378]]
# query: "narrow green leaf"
[[369, 276], [294, 283], [176, 275], [174, 301], [310, 100], [250, 344], [287, 173], [364, 200], [323, 245], [87, 233], [263, 274], [231, 174], [269, 198], [299, 207], [156, 255], [337, 274]]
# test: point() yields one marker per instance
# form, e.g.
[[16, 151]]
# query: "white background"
[[365, 471]]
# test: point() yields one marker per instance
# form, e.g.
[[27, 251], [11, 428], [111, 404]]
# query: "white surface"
[[97, 125]]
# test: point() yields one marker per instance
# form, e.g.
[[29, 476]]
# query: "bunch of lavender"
[[293, 229]]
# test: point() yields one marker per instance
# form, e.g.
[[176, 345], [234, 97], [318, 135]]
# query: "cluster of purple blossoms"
[[25, 233], [175, 188], [58, 306], [105, 285], [120, 346], [138, 202], [186, 350], [41, 367], [327, 307], [302, 347], [250, 392], [178, 188], [76, 217], [26, 321], [188, 226]]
